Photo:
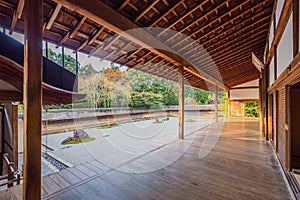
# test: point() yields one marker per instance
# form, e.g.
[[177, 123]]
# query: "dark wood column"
[[216, 104], [295, 27], [15, 134], [32, 99], [181, 103]]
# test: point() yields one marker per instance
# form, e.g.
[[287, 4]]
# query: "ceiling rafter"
[[146, 10], [17, 15], [228, 52], [225, 31], [233, 43], [221, 47], [182, 17], [53, 16], [77, 27]]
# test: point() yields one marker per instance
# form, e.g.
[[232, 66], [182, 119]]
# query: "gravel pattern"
[[54, 162]]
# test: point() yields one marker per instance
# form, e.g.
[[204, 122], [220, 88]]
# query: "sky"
[[82, 58]]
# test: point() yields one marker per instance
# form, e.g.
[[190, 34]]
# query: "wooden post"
[[261, 113], [295, 27], [229, 107], [32, 99], [15, 135], [216, 104], [76, 59], [181, 103], [47, 50], [2, 139], [267, 74], [63, 56], [275, 62]]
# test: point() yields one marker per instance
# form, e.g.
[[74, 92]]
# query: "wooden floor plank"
[[86, 170], [240, 166], [49, 185]]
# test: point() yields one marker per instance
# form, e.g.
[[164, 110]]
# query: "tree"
[[69, 61], [88, 69]]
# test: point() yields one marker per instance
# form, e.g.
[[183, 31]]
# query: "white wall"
[[271, 67], [278, 10], [285, 48], [244, 94], [271, 35], [250, 83]]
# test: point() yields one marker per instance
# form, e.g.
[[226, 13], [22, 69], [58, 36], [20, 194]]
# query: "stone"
[[68, 139], [80, 134]]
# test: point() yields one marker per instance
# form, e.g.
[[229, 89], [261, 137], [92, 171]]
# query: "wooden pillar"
[[216, 104], [275, 62], [76, 60], [229, 107], [63, 56], [2, 138], [32, 99], [295, 27], [15, 135], [47, 54], [181, 103], [266, 102], [261, 113]]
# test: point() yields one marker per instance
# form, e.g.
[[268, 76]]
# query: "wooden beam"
[[246, 87], [146, 10], [15, 135], [182, 17], [224, 32], [53, 16], [196, 21], [17, 15], [257, 63], [167, 13], [181, 103], [81, 46], [216, 105], [63, 39], [32, 99], [96, 35], [77, 27], [10, 96], [123, 5], [100, 13]]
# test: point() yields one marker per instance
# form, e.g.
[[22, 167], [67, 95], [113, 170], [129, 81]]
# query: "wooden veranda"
[[210, 44], [246, 170]]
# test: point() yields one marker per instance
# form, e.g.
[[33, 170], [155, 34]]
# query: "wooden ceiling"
[[228, 30]]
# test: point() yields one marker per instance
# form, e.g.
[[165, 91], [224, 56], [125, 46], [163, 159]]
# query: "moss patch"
[[157, 121], [108, 126], [80, 141], [190, 120]]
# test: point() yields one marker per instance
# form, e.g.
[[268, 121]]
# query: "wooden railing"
[[12, 174]]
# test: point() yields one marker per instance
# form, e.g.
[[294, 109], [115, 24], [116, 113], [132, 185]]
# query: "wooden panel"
[[295, 127], [274, 121], [281, 126], [270, 118]]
